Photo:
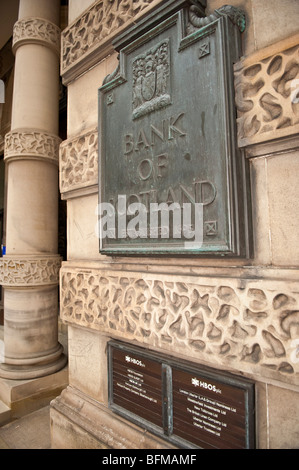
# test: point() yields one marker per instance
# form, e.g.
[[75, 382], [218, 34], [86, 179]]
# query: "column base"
[[25, 372], [30, 346], [25, 396]]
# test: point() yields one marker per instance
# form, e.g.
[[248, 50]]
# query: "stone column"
[[31, 264]]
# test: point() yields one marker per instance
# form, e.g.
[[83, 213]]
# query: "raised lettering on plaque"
[[172, 180]]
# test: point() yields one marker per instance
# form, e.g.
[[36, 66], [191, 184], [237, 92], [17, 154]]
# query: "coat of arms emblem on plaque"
[[151, 80]]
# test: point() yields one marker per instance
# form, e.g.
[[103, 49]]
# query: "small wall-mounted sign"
[[191, 406]]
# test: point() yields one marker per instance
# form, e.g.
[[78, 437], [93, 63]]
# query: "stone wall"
[[240, 316]]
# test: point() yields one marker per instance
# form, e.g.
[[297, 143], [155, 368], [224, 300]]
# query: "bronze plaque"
[[172, 180], [188, 406], [209, 413]]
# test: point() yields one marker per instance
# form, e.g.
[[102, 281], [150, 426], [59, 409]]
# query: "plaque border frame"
[[167, 364]]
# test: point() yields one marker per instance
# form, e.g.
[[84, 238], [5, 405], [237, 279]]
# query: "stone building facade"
[[235, 315]]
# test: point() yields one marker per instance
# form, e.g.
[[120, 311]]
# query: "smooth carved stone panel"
[[25, 271], [37, 30], [78, 163], [267, 96], [226, 322], [97, 23], [27, 143]]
